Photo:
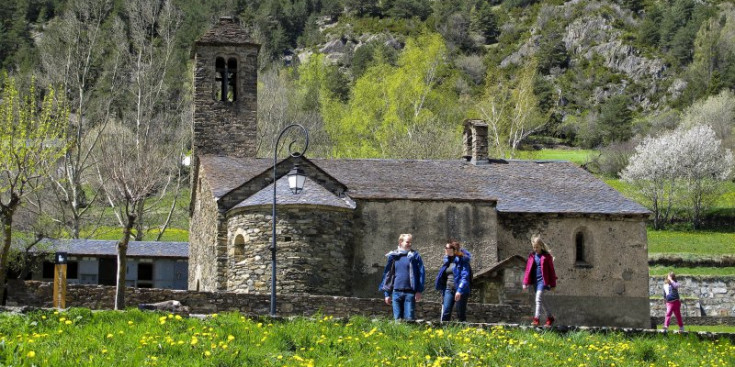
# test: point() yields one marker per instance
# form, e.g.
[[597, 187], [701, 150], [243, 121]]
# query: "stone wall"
[[39, 294], [713, 295], [379, 223], [203, 238], [313, 250], [221, 127], [611, 276]]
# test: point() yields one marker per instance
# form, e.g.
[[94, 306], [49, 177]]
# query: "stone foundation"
[[701, 296], [39, 294]]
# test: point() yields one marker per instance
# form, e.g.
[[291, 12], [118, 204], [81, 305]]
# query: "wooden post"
[[60, 280], [60, 286]]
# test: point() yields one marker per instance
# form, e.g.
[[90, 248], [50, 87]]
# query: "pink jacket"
[[547, 270]]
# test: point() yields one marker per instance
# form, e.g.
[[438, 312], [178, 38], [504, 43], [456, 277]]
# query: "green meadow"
[[80, 337]]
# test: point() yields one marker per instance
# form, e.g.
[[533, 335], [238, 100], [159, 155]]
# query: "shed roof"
[[517, 186], [83, 247]]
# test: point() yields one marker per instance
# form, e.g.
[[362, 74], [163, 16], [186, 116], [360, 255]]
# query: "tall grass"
[[108, 338]]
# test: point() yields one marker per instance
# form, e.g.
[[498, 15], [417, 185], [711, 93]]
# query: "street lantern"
[[296, 179]]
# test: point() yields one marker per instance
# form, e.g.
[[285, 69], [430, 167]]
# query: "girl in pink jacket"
[[541, 275]]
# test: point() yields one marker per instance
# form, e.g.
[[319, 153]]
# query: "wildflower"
[[109, 336], [31, 354], [207, 353], [194, 340], [230, 338], [130, 322], [68, 322]]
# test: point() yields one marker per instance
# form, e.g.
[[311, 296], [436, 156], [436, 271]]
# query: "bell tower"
[[225, 92]]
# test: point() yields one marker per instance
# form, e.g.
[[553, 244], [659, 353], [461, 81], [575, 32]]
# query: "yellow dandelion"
[[230, 338], [31, 354], [207, 353], [68, 322]]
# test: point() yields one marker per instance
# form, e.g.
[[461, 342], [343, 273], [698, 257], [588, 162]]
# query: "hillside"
[[382, 78]]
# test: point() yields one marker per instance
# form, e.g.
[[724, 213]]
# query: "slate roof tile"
[[83, 247], [517, 186]]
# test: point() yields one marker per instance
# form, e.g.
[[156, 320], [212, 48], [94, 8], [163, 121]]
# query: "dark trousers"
[[448, 304]]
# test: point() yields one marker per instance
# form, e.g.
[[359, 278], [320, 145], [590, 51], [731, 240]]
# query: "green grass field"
[[80, 337], [661, 271], [696, 243], [579, 156]]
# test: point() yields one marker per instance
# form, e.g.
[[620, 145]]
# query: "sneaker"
[[681, 329], [535, 322], [549, 320], [664, 330]]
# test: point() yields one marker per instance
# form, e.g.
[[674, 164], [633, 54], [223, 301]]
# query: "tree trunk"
[[6, 216], [122, 253]]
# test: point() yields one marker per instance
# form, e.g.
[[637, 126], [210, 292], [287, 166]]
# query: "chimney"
[[475, 142]]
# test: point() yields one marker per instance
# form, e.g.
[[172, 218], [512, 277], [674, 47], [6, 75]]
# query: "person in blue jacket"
[[403, 279], [453, 280]]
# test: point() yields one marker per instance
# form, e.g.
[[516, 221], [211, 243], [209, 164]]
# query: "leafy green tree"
[[615, 120], [486, 23], [391, 108], [32, 137], [363, 7]]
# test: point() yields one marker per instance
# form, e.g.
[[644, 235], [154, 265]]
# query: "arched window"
[[225, 80], [238, 248], [580, 247]]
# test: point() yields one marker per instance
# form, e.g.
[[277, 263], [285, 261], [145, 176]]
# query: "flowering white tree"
[[688, 164], [652, 171], [703, 166]]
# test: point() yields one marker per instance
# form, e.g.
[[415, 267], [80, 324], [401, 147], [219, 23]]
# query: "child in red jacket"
[[541, 275]]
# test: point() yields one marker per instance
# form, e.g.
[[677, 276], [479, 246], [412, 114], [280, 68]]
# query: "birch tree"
[[510, 109], [72, 56], [32, 136], [139, 158]]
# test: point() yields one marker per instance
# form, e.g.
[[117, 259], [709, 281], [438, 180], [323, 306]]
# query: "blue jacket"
[[462, 273], [416, 276]]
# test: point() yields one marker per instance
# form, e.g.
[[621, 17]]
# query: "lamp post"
[[296, 180]]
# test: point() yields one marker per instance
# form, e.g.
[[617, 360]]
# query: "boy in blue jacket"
[[403, 279]]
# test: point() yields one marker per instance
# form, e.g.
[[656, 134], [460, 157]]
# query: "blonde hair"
[[405, 237], [536, 240]]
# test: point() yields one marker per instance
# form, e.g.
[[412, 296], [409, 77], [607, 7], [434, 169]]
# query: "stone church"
[[332, 238]]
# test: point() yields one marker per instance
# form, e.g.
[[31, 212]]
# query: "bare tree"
[[140, 157], [33, 135], [72, 56], [510, 109]]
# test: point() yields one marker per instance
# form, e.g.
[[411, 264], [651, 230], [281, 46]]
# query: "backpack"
[[673, 294]]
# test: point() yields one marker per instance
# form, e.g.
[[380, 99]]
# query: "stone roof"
[[82, 247], [516, 186], [313, 194], [488, 272], [226, 32]]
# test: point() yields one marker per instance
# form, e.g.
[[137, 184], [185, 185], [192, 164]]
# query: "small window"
[[72, 270], [580, 247], [145, 271], [581, 256], [48, 270], [239, 248]]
